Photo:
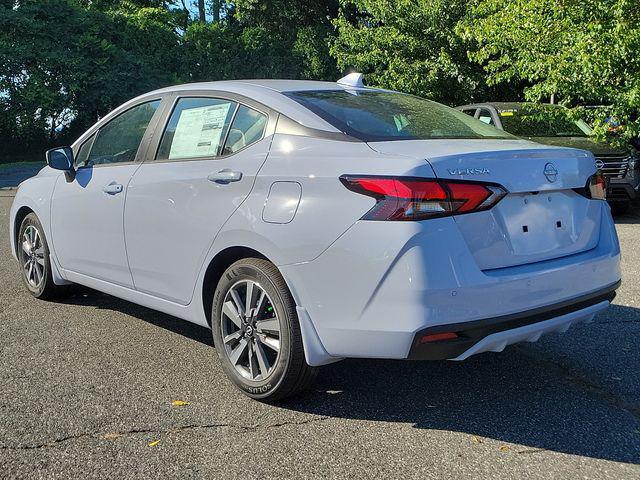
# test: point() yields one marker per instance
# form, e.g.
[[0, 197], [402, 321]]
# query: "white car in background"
[[306, 222]]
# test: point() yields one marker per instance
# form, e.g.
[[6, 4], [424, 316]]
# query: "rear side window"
[[197, 128], [534, 120], [485, 117], [118, 140], [376, 115], [247, 128]]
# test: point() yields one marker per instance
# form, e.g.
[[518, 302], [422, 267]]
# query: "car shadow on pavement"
[[561, 395], [545, 396], [88, 297]]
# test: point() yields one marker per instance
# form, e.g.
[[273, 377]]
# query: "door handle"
[[225, 176], [112, 189]]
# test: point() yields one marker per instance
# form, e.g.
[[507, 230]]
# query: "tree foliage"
[[65, 63], [582, 51], [301, 29], [409, 45], [61, 64]]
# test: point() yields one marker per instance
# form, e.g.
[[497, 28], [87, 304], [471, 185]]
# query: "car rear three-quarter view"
[[308, 222]]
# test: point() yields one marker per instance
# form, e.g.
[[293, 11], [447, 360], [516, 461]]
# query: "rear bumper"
[[493, 334], [381, 283]]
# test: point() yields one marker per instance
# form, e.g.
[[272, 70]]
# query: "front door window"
[[118, 141]]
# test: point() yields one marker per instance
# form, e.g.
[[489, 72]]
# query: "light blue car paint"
[[362, 288]]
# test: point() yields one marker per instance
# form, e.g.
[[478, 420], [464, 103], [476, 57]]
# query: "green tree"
[[582, 51], [300, 32], [409, 45], [64, 64]]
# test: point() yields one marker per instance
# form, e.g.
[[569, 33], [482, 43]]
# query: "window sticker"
[[199, 131], [401, 121]]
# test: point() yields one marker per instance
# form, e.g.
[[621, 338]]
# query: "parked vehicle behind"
[[551, 125], [307, 222]]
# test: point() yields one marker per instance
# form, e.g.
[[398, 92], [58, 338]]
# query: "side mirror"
[[60, 158]]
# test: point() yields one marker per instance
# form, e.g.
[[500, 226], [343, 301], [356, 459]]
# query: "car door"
[[87, 211], [203, 167]]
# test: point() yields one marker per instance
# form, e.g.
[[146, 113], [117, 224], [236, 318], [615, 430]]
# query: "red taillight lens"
[[469, 195], [598, 186], [403, 198]]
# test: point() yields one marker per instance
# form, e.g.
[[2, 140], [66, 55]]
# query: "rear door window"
[[197, 128]]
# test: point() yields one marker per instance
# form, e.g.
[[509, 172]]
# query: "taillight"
[[409, 198], [596, 187]]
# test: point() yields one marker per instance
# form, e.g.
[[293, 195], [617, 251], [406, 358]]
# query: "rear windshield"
[[543, 121], [374, 115]]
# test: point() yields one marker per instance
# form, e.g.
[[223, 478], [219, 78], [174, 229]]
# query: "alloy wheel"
[[33, 261], [250, 330]]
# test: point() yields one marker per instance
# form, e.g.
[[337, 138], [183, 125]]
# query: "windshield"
[[543, 121], [373, 115]]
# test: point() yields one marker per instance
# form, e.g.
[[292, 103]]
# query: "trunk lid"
[[541, 218]]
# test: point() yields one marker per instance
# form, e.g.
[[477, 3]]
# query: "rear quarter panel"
[[326, 208]]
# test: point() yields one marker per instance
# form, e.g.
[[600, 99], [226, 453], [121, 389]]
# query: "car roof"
[[270, 84], [264, 91], [267, 92], [254, 84]]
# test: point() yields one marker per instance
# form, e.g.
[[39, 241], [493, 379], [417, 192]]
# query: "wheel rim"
[[250, 330], [33, 256]]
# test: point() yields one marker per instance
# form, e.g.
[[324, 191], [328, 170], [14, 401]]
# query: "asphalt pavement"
[[87, 385], [12, 174]]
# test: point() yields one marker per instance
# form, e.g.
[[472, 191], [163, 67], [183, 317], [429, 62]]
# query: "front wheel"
[[256, 332], [33, 252]]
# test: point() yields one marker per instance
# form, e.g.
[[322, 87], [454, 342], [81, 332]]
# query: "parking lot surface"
[[87, 385]]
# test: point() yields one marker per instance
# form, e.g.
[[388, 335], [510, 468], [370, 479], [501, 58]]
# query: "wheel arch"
[[20, 215], [314, 351], [218, 264]]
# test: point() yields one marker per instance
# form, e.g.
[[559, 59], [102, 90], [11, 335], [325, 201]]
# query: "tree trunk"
[[201, 12], [215, 8], [52, 130]]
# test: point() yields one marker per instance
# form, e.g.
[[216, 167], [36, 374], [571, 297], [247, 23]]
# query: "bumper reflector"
[[438, 337]]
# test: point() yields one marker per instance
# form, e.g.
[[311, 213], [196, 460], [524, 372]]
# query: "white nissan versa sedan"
[[306, 222]]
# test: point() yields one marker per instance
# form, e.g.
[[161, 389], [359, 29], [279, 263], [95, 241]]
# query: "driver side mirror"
[[60, 159]]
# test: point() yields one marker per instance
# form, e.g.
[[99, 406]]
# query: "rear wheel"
[[33, 252], [256, 332]]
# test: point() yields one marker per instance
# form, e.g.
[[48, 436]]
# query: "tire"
[[620, 208], [249, 357], [35, 264]]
